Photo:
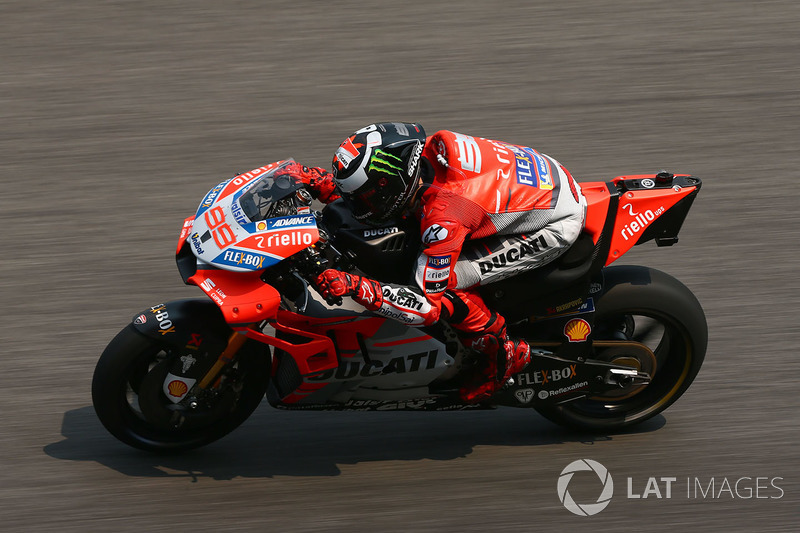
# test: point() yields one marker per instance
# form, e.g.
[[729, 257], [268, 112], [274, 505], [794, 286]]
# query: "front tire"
[[652, 308], [127, 396]]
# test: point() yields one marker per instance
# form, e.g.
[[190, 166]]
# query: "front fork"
[[317, 354], [235, 342]]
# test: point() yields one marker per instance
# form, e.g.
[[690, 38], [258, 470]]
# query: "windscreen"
[[275, 194]]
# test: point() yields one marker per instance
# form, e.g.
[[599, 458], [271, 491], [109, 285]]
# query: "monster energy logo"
[[381, 161]]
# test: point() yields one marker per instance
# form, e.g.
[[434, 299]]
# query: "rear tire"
[[653, 308], [133, 364]]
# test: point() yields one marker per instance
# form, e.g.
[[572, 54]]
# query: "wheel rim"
[[151, 415], [671, 347]]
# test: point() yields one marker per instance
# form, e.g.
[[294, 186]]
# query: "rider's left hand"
[[335, 283]]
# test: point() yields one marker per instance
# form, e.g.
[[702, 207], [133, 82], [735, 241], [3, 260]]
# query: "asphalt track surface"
[[117, 117]]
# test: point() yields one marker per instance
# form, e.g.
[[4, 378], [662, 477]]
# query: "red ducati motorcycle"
[[614, 345]]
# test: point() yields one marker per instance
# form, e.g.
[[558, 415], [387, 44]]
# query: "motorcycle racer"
[[488, 210]]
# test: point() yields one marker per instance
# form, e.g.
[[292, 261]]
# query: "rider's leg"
[[485, 332]]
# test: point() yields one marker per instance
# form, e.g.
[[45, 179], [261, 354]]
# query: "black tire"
[[651, 307], [133, 363]]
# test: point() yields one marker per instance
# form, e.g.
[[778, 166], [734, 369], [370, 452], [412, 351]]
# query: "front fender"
[[185, 324]]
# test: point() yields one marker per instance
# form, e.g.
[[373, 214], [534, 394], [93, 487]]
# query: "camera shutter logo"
[[585, 509]]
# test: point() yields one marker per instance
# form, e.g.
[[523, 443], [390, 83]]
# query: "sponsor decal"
[[195, 343], [507, 258], [640, 220], [437, 273], [238, 214], [384, 162], [162, 317], [570, 309], [243, 259], [188, 361], [532, 169], [434, 233], [564, 307], [412, 164], [378, 232], [469, 153], [647, 183], [186, 229], [439, 261], [290, 222], [399, 365], [211, 196], [197, 244], [214, 293], [141, 319], [285, 238], [403, 298], [577, 330], [402, 317], [177, 388], [524, 395], [542, 377], [544, 394], [435, 287], [366, 294], [347, 151]]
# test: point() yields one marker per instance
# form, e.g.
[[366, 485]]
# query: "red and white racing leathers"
[[492, 210]]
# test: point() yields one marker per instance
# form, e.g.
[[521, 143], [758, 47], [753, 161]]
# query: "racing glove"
[[335, 284], [319, 180]]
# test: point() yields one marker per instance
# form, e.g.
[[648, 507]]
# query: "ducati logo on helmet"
[[347, 151]]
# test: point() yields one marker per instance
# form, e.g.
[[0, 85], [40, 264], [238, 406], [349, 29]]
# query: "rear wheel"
[[663, 332], [128, 397]]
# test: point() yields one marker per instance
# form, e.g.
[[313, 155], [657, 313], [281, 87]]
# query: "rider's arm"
[[417, 306]]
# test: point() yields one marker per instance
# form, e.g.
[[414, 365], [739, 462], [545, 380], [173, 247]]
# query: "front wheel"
[[666, 328], [128, 398]]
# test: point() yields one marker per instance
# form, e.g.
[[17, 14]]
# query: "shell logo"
[[577, 330], [177, 388]]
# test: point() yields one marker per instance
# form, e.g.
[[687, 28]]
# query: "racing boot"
[[503, 358]]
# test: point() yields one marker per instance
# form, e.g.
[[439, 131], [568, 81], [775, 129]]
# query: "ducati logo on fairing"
[[354, 369], [379, 232]]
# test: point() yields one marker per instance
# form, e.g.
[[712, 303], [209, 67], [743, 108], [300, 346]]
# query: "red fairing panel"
[[637, 210], [242, 296]]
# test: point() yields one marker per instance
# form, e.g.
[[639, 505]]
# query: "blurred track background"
[[117, 117]]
